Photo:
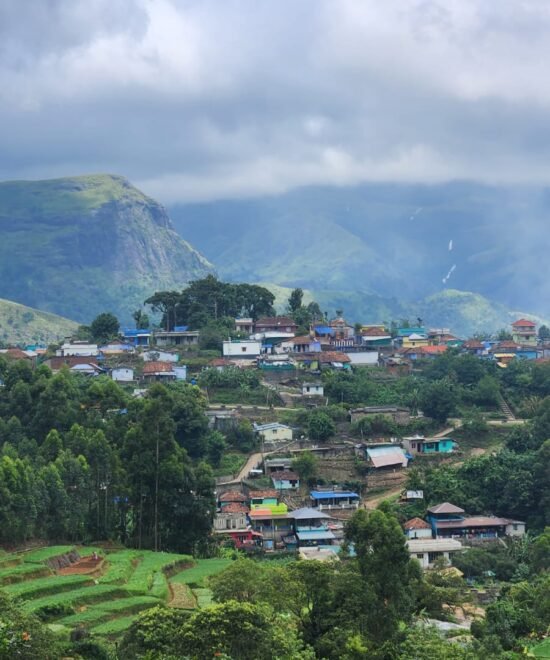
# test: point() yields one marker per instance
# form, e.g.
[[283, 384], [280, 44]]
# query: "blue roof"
[[330, 494], [324, 329], [314, 535], [181, 328], [134, 332]]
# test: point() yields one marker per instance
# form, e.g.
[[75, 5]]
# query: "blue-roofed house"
[[137, 336], [334, 499]]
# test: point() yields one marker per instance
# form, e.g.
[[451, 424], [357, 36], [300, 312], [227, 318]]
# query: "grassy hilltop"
[[82, 245], [20, 325]]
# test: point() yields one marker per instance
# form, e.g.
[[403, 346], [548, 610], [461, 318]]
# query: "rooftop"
[[314, 535], [307, 513], [445, 507], [285, 475], [475, 521], [433, 545], [524, 322], [332, 494], [417, 523], [156, 367], [235, 507], [263, 494], [232, 496], [275, 321]]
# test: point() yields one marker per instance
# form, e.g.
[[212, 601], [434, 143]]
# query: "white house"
[[77, 348], [158, 355], [428, 551], [313, 389], [181, 372], [122, 374], [242, 348], [273, 432], [416, 528]]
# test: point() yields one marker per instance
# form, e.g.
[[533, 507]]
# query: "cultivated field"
[[69, 586]]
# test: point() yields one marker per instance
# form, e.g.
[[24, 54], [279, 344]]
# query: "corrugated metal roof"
[[315, 535], [445, 507], [330, 494], [307, 513]]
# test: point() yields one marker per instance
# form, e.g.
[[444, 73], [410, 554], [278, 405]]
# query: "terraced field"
[[113, 589]]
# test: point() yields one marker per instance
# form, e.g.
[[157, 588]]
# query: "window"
[[515, 528], [432, 556], [420, 556], [243, 349]]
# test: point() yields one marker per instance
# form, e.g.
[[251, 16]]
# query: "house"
[[342, 330], [137, 336], [15, 353], [273, 432], [334, 499], [524, 332], [272, 526], [243, 349], [262, 499], [396, 365], [428, 551], [449, 521], [416, 528], [244, 325], [418, 444], [407, 332], [234, 516], [246, 539], [386, 456], [156, 355], [313, 389], [474, 347], [222, 420], [220, 364], [179, 336], [158, 371], [116, 348], [77, 348], [285, 480], [231, 497], [360, 358], [57, 363], [122, 374], [412, 496], [311, 528], [275, 324], [86, 369], [375, 336], [304, 344], [324, 333], [334, 360], [307, 361], [398, 414], [180, 371], [277, 464]]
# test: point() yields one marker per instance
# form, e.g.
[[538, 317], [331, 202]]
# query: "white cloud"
[[200, 99]]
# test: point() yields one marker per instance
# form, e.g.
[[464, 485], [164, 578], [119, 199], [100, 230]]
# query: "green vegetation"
[[203, 569], [82, 245], [23, 325], [42, 586]]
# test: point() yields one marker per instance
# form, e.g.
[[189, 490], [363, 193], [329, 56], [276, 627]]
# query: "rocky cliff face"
[[82, 245]]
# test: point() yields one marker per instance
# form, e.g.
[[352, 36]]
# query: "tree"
[[387, 584], [241, 630], [295, 300], [438, 400], [544, 332], [141, 319], [426, 643], [104, 327], [320, 426], [306, 465]]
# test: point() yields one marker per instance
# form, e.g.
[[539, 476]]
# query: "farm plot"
[[196, 579], [123, 583]]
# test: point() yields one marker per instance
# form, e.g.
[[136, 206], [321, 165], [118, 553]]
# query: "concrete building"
[[75, 348], [273, 432], [122, 374], [428, 551], [179, 336], [313, 389], [242, 349]]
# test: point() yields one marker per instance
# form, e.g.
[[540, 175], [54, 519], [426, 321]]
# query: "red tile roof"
[[57, 362], [263, 494], [374, 332], [17, 354], [473, 344], [285, 475], [523, 322], [505, 346], [333, 356], [157, 367], [474, 521], [301, 340], [432, 350], [235, 507], [232, 496], [416, 523]]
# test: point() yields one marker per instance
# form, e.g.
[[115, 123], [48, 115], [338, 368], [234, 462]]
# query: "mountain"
[[83, 245], [387, 249], [24, 325]]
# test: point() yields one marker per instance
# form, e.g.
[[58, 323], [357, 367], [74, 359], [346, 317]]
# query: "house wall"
[[515, 529], [160, 356], [419, 533], [313, 390], [242, 349], [270, 435], [285, 484], [122, 375], [223, 521], [427, 559]]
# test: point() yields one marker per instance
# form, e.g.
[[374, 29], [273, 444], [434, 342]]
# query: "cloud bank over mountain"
[[202, 100]]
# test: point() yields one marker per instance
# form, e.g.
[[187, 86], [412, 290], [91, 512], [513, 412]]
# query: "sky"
[[207, 99]]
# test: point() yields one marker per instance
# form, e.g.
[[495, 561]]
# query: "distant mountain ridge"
[[78, 246], [23, 325], [379, 250]]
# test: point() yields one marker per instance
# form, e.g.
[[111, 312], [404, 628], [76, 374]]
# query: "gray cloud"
[[202, 99]]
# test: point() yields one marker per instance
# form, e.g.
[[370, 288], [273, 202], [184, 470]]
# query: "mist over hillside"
[[394, 243]]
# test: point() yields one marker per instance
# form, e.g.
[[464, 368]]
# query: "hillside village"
[[301, 427]]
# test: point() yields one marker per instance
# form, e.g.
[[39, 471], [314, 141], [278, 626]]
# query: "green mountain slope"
[[82, 245], [24, 325]]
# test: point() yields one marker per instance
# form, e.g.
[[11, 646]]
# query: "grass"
[[106, 610], [203, 569], [77, 597], [43, 554], [43, 586], [120, 566], [115, 626], [231, 463], [542, 650], [22, 572], [204, 597], [148, 575]]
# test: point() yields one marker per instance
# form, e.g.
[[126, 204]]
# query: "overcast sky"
[[206, 99]]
